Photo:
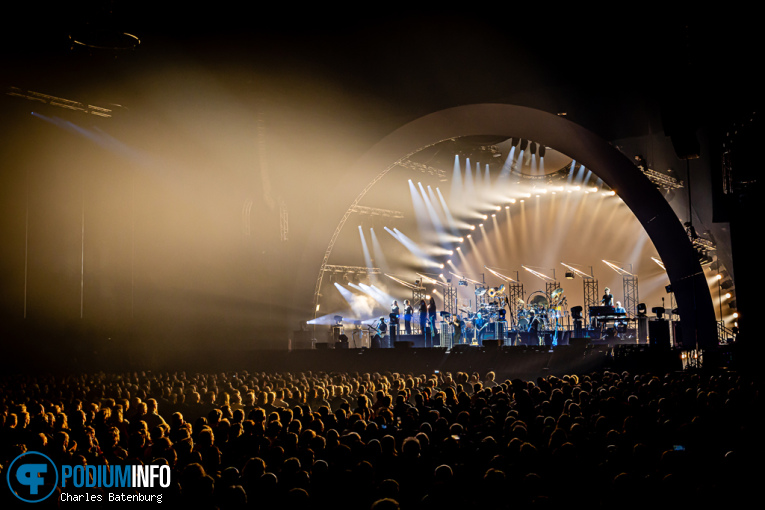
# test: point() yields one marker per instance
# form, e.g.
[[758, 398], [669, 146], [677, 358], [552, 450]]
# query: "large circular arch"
[[615, 169]]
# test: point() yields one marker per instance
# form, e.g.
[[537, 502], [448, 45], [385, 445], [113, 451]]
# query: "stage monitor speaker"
[[321, 345], [579, 343], [491, 343], [341, 345], [403, 345]]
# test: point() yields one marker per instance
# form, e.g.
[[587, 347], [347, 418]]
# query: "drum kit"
[[541, 312]]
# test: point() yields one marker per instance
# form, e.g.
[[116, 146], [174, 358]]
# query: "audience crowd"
[[241, 440]]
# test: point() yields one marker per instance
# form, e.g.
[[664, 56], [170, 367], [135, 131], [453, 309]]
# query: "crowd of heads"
[[241, 440]]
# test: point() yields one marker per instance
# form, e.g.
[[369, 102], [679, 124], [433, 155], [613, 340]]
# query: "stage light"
[[485, 217], [659, 311], [718, 277], [641, 309], [569, 275]]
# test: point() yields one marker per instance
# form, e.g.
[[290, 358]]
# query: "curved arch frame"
[[615, 169]]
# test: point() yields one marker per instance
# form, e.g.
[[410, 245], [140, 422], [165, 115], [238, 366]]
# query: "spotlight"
[[542, 150], [641, 309], [576, 312], [569, 275], [668, 288], [524, 144]]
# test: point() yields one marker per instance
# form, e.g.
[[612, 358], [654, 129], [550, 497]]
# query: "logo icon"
[[32, 477]]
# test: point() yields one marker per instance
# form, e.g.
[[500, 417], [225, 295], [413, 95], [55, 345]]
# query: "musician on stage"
[[394, 315], [382, 332], [408, 312], [620, 308], [608, 298], [480, 327], [432, 315], [423, 316], [459, 325]]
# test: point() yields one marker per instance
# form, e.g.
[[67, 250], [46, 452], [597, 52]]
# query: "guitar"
[[476, 332]]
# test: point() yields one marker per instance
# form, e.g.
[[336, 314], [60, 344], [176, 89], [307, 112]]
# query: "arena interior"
[[305, 257]]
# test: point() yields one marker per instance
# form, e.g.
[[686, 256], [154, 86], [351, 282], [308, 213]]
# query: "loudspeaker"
[[658, 334], [491, 343], [579, 343], [341, 345], [403, 345], [321, 345]]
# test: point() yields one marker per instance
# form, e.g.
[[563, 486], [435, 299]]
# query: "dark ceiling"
[[611, 71]]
